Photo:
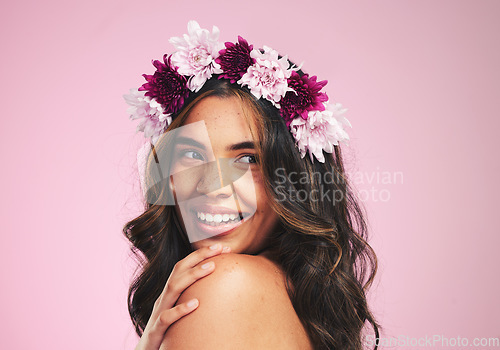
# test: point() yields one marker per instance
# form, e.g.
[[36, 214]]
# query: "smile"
[[214, 220], [217, 219]]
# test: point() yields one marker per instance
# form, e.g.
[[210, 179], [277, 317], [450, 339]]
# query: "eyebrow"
[[182, 140], [241, 145], [189, 142]]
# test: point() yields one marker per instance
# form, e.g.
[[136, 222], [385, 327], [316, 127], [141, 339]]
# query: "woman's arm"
[[243, 305]]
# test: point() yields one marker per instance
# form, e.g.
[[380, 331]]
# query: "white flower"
[[196, 54], [153, 119], [267, 77], [321, 131]]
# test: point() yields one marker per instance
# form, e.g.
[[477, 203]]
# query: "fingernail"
[[226, 249], [215, 246], [207, 265], [192, 303]]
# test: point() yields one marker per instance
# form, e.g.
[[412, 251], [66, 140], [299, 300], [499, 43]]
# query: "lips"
[[214, 220]]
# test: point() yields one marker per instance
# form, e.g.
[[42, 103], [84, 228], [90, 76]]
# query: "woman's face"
[[217, 183]]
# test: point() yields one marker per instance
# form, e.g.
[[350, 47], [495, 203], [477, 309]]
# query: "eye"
[[248, 158], [192, 154]]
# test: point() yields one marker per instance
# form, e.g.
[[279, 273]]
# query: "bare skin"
[[241, 299], [243, 305], [168, 308]]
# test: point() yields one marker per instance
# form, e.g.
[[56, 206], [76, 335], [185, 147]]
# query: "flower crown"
[[315, 124]]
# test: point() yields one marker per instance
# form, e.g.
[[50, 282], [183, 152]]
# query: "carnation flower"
[[235, 60], [268, 76], [166, 86], [154, 120], [304, 97], [196, 54], [320, 131]]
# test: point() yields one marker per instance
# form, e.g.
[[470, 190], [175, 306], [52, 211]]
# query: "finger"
[[186, 272], [175, 287], [186, 265], [168, 317], [201, 254]]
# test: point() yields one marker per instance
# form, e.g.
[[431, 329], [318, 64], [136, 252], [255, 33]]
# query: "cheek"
[[183, 183], [250, 190]]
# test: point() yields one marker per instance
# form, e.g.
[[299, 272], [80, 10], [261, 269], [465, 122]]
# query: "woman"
[[245, 242]]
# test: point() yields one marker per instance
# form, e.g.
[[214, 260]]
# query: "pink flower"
[[154, 121], [321, 131], [268, 76], [196, 54], [304, 97]]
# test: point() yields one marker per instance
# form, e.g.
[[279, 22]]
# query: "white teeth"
[[217, 218]]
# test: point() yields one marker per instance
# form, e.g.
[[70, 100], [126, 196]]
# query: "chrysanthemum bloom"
[[268, 76], [154, 120], [196, 54], [166, 86], [305, 97], [235, 60], [320, 131]]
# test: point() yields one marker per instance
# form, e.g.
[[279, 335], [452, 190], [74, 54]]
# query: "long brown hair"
[[320, 241]]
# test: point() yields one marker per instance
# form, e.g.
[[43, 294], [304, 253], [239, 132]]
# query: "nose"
[[215, 180]]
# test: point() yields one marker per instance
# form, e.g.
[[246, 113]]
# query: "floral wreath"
[[315, 124]]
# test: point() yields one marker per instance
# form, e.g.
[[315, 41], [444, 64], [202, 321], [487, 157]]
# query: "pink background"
[[420, 80]]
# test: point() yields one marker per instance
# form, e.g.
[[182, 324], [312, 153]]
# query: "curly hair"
[[320, 244]]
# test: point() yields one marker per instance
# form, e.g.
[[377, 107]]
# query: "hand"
[[185, 273]]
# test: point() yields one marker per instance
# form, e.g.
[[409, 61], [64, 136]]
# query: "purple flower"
[[235, 60], [304, 98], [166, 86]]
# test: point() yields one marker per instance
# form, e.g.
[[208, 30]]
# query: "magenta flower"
[[305, 97], [166, 85], [320, 131], [235, 60], [268, 76]]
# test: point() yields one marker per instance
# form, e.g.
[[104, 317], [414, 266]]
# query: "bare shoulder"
[[243, 305]]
